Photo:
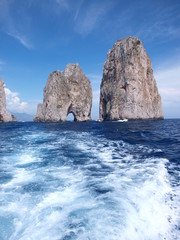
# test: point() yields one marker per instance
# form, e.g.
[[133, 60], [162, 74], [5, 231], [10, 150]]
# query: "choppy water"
[[93, 181]]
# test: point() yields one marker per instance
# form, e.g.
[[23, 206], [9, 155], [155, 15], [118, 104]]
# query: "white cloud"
[[87, 22], [169, 75], [172, 93], [168, 81], [78, 10], [22, 39], [63, 4], [15, 105], [13, 102]]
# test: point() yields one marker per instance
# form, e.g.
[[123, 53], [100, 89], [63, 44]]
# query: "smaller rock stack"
[[66, 92]]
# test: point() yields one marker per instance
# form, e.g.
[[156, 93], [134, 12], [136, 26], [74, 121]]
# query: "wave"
[[73, 185]]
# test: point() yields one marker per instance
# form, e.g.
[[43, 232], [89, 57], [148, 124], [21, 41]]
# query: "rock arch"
[[71, 111], [66, 92]]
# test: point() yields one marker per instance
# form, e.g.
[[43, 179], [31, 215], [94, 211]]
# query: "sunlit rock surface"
[[128, 87], [5, 116], [66, 92]]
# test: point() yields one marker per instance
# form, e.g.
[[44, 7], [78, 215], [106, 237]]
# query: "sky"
[[38, 37]]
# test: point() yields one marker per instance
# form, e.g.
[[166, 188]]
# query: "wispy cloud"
[[168, 81], [78, 10], [21, 39], [63, 4], [1, 64], [15, 27], [88, 20], [170, 94], [158, 30], [169, 76], [146, 20], [162, 22]]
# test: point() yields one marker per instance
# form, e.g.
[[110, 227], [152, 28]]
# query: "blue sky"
[[38, 37]]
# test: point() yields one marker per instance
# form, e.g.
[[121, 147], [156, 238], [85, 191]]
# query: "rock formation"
[[66, 92], [128, 88], [5, 116]]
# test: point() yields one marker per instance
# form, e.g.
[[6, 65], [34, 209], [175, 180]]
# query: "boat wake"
[[78, 186]]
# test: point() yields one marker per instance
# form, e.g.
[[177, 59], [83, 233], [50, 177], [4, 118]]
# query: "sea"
[[90, 180]]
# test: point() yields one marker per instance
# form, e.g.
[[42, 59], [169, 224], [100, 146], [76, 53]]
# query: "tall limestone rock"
[[66, 92], [128, 87], [5, 116]]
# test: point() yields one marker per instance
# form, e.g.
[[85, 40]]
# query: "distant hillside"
[[23, 117]]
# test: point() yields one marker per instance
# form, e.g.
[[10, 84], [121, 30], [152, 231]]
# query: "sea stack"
[[5, 116], [66, 92], [128, 87]]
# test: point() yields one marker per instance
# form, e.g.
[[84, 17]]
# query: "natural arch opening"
[[70, 117], [70, 114]]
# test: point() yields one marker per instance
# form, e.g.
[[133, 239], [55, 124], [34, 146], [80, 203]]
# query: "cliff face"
[[5, 116], [66, 92], [128, 88]]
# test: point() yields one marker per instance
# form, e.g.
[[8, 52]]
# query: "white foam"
[[138, 201], [27, 158], [142, 192], [20, 176]]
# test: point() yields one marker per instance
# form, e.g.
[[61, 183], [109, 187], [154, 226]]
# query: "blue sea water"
[[94, 181]]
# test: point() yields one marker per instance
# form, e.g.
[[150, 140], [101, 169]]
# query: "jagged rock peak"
[[66, 92], [71, 70], [128, 87], [5, 116]]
